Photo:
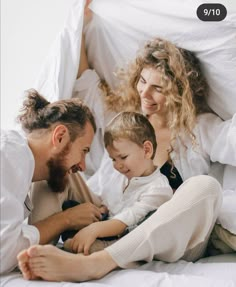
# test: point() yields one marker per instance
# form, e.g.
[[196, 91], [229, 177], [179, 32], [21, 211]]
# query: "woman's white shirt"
[[215, 142]]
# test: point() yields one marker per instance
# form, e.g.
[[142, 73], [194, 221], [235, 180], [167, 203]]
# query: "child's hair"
[[39, 114], [131, 126]]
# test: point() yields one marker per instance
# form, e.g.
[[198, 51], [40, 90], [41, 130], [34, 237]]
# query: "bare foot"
[[23, 263], [53, 264]]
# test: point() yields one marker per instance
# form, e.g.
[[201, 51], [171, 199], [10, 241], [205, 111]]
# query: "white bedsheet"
[[217, 271]]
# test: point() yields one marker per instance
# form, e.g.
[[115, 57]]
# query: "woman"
[[168, 86]]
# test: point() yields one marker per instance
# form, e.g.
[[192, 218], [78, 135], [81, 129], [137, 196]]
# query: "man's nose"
[[82, 165]]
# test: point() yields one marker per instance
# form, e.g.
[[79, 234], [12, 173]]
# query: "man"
[[58, 137]]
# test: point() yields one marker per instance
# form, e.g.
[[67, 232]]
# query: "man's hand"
[[72, 218], [82, 215]]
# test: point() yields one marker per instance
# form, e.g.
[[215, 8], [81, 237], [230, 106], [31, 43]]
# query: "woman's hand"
[[83, 65], [87, 12]]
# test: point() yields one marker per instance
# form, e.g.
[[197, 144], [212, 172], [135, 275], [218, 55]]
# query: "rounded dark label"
[[211, 12]]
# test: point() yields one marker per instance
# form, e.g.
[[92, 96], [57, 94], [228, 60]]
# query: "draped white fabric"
[[119, 28]]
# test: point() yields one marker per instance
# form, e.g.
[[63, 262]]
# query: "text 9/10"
[[211, 12]]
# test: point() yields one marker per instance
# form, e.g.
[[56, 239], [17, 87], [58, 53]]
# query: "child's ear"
[[148, 149]]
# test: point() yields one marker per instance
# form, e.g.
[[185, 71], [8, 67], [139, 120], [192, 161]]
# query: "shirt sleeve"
[[148, 201], [15, 233], [218, 138]]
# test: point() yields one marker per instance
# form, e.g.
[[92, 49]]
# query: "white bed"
[[117, 30], [218, 271]]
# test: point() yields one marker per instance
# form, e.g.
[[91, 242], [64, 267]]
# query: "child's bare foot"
[[53, 264]]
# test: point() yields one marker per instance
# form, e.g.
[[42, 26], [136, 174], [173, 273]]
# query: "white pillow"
[[227, 216]]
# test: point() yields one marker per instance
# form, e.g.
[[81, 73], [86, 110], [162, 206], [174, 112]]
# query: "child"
[[131, 144]]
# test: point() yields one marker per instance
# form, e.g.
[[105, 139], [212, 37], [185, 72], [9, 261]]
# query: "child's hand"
[[67, 245], [83, 240]]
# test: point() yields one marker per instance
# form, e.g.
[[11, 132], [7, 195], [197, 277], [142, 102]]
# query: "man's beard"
[[58, 179]]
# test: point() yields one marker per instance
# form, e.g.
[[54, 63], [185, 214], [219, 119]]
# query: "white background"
[[28, 29]]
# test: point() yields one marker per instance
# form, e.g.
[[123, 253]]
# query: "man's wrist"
[[65, 219]]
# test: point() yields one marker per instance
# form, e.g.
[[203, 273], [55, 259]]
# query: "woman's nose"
[[145, 92]]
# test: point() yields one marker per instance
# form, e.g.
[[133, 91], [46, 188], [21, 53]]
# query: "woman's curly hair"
[[183, 82]]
